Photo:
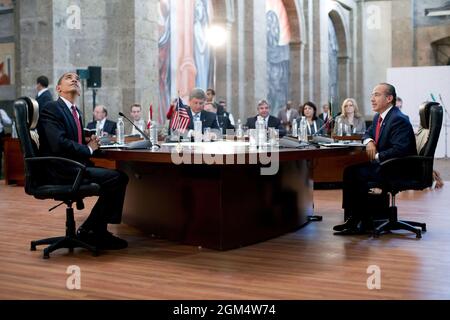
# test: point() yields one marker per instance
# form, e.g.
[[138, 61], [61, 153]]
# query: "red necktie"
[[77, 121], [377, 132]]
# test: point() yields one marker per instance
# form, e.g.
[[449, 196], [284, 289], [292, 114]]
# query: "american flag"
[[180, 119]]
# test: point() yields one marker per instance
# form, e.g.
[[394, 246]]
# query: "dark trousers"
[[357, 179], [109, 206]]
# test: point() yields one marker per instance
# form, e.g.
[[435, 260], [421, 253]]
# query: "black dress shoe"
[[351, 223], [107, 241], [87, 236]]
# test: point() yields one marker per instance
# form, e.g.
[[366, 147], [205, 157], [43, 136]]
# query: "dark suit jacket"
[[224, 123], [321, 116], [110, 126], [58, 133], [45, 97], [273, 122], [396, 136], [208, 120]]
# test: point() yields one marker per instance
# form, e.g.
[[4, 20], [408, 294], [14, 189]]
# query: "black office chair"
[[412, 172], [40, 186]]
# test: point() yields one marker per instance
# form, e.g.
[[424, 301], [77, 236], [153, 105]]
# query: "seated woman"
[[351, 117], [315, 124]]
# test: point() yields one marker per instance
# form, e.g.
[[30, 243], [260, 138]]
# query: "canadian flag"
[[150, 117]]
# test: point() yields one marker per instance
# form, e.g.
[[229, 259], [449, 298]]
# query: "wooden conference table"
[[222, 202]]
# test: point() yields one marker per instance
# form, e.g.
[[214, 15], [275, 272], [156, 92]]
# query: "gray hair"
[[197, 93]]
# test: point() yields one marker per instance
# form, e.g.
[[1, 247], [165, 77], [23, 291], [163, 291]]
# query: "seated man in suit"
[[61, 135], [223, 120], [270, 121], [107, 127], [390, 136], [136, 115], [43, 94], [196, 111]]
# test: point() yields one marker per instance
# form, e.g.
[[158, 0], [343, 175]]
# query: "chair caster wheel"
[[376, 235], [419, 235], [46, 256], [33, 247], [71, 250], [424, 228]]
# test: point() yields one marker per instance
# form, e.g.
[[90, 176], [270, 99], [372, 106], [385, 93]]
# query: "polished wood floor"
[[308, 264]]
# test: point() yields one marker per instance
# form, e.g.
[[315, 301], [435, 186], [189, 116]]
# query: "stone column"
[[258, 53], [34, 45], [403, 49], [146, 70]]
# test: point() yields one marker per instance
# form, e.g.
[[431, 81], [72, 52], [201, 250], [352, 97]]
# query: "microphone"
[[330, 119], [146, 144]]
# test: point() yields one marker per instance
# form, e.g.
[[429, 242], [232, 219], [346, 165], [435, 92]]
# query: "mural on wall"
[[333, 70], [6, 64], [185, 57], [164, 58], [6, 4], [278, 54], [201, 47]]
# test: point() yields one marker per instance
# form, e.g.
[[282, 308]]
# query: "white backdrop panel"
[[415, 85]]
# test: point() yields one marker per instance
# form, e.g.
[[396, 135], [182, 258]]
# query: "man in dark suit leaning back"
[[270, 121], [61, 134], [43, 94], [390, 136]]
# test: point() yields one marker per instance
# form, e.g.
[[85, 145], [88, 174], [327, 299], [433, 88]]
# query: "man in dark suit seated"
[[61, 134], [390, 136], [222, 119], [270, 121], [43, 94], [107, 127], [196, 111]]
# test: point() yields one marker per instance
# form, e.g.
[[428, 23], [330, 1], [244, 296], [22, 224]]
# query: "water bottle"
[[261, 131], [339, 125], [303, 130], [197, 131], [239, 131], [153, 132], [98, 130], [295, 128], [120, 134]]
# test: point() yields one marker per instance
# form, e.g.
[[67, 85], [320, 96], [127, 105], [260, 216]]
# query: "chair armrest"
[[78, 166], [413, 167], [405, 160]]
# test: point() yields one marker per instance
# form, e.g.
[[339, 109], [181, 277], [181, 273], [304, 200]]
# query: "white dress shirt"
[[69, 105]]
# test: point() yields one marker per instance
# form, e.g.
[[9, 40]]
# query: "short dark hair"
[[135, 105], [211, 90], [390, 91], [62, 77], [312, 105], [43, 81]]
